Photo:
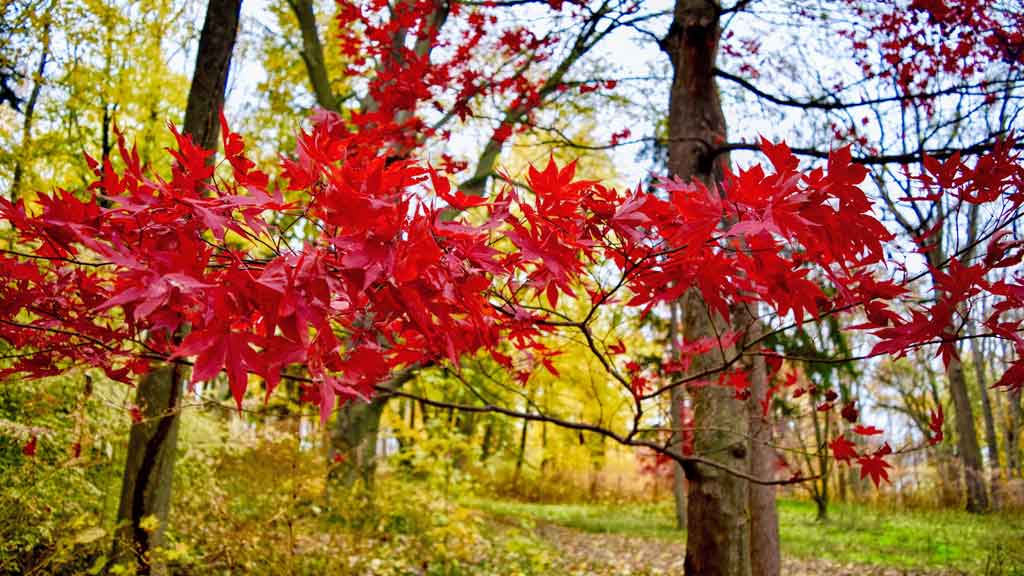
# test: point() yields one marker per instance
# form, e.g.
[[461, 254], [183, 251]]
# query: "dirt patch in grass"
[[617, 554]]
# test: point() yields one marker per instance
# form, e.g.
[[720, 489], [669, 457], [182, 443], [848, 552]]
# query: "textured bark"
[[967, 439], [149, 468], [677, 398], [764, 519], [352, 450], [718, 531], [991, 443], [149, 465], [718, 536], [210, 79]]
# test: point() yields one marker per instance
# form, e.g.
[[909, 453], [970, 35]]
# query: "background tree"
[[149, 466]]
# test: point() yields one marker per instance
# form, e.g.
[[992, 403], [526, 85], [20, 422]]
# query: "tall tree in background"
[[152, 446]]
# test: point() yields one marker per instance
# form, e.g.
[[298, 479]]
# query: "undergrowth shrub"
[[59, 493]]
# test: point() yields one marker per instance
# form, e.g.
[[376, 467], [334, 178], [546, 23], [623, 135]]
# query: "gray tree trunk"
[[1012, 435], [764, 519], [991, 443], [149, 465], [352, 450], [677, 399], [352, 441], [967, 439]]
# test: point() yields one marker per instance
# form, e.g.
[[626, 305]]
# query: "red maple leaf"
[[842, 449], [849, 412], [874, 465], [29, 449], [866, 430], [457, 200]]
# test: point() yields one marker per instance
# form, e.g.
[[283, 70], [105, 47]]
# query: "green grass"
[[992, 544]]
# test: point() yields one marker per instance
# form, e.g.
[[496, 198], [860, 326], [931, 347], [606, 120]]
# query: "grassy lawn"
[[860, 534]]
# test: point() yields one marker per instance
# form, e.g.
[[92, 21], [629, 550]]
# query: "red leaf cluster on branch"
[[410, 66], [928, 38], [391, 280]]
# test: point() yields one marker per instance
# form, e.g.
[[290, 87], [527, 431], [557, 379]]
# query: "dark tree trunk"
[[718, 530], [967, 439], [210, 79], [821, 507], [718, 533], [149, 465], [149, 468], [521, 453], [485, 443]]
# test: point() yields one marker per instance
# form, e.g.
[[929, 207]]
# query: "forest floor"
[[856, 540]]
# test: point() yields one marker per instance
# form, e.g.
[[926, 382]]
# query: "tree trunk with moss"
[[352, 440], [352, 451], [149, 469]]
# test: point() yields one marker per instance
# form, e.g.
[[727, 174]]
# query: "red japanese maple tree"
[[390, 281]]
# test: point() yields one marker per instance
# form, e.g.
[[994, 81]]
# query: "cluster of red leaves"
[[204, 268], [959, 38], [996, 180], [398, 46], [871, 461]]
